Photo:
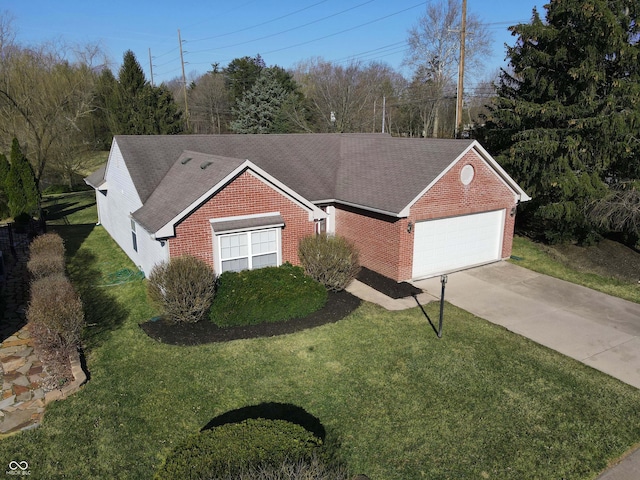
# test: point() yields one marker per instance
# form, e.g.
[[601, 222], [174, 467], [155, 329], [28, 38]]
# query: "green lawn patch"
[[539, 258], [270, 294], [401, 404]]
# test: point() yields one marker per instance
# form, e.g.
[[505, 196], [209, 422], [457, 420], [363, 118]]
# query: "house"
[[414, 208]]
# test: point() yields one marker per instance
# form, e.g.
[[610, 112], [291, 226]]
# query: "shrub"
[[47, 244], [46, 256], [55, 311], [331, 260], [182, 288], [224, 451], [269, 294]]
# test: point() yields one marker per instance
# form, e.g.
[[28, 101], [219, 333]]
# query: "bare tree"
[[346, 99], [209, 104], [44, 100], [7, 32], [434, 54]]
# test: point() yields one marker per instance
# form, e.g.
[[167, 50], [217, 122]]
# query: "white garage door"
[[454, 243]]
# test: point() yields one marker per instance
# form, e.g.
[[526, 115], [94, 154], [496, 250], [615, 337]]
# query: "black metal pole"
[[443, 281]]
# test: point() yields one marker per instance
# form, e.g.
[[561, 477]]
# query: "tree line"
[[563, 118]]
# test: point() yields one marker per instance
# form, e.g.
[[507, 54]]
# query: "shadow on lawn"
[[271, 411], [103, 312], [59, 211]]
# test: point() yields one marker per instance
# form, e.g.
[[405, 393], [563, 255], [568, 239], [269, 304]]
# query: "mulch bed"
[[386, 285], [338, 306]]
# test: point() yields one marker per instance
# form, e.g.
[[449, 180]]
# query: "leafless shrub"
[[56, 313], [331, 260], [619, 211], [183, 288], [47, 243]]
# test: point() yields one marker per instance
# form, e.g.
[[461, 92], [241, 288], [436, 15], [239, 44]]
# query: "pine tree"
[[4, 173], [566, 122], [259, 108], [133, 106], [22, 191]]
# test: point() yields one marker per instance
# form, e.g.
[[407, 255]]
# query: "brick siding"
[[384, 243], [245, 195]]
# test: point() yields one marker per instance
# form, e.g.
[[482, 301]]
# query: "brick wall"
[[384, 243], [377, 238], [450, 197], [246, 195]]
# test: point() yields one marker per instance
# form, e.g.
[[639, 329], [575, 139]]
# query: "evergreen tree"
[[21, 187], [260, 109], [133, 106], [567, 119], [241, 74], [4, 173]]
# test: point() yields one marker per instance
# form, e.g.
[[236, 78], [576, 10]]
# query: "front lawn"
[[479, 403]]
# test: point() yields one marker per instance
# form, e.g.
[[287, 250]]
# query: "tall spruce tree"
[[566, 123], [22, 191], [260, 110], [135, 107], [4, 173]]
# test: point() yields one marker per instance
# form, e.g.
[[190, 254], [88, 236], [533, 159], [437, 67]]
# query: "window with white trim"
[[249, 250], [134, 236]]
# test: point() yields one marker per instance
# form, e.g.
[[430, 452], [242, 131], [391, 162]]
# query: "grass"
[[479, 403], [532, 256]]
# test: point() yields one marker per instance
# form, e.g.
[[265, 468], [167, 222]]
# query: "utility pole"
[[151, 66], [463, 34], [184, 82], [384, 112]]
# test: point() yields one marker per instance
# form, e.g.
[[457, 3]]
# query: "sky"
[[283, 32]]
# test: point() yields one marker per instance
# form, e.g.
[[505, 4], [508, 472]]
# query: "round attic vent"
[[466, 174]]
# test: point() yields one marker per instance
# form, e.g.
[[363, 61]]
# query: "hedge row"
[[55, 311]]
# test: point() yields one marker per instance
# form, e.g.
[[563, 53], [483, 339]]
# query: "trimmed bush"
[[182, 288], [41, 266], [46, 256], [331, 260], [55, 312], [47, 244], [270, 294], [224, 451]]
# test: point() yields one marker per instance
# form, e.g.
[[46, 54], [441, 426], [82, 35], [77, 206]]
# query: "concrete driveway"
[[598, 330]]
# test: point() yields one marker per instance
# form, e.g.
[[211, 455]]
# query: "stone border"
[[79, 379]]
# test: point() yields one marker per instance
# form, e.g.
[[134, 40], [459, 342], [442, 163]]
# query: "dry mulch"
[[338, 306]]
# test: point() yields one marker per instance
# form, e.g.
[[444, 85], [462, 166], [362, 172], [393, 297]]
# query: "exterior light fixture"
[[410, 227], [513, 212]]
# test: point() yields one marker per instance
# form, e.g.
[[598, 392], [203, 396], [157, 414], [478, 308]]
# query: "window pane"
[[235, 265], [233, 246], [269, 260], [263, 242]]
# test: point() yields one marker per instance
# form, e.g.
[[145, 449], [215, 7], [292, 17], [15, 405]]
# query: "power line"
[[345, 30], [284, 31], [259, 24]]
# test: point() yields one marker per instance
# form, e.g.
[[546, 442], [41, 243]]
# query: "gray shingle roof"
[[192, 175], [374, 171]]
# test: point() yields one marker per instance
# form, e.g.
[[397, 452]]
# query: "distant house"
[[415, 208]]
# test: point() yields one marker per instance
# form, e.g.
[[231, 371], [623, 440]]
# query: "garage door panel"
[[455, 243]]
